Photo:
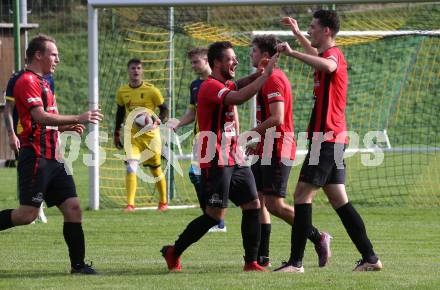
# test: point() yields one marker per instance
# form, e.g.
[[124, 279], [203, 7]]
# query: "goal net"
[[394, 83]]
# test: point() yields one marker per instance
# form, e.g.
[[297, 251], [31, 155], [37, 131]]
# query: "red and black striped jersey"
[[218, 134], [30, 91], [330, 92], [277, 88]]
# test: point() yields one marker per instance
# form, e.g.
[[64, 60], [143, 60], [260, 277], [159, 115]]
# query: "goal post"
[[364, 116]]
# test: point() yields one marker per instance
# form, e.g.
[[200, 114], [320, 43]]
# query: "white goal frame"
[[93, 65]]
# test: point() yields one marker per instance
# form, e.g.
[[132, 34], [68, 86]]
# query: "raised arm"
[[303, 41], [241, 83], [247, 92], [318, 63]]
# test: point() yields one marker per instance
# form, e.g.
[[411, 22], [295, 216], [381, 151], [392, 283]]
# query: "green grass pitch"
[[125, 250]]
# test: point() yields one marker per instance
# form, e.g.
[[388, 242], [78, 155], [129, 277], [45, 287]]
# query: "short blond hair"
[[199, 51]]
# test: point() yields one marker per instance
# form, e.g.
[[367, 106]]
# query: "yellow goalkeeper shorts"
[[146, 150]]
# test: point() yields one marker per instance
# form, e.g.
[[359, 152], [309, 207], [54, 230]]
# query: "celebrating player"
[[272, 170], [222, 177], [199, 63], [134, 95], [41, 177], [324, 166]]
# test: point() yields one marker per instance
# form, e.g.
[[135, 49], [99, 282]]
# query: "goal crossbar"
[[357, 33], [131, 3]]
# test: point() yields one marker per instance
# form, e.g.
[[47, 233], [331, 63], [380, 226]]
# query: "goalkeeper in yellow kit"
[[136, 95]]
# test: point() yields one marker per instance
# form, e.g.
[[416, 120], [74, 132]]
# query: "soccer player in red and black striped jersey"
[[198, 57], [223, 174], [272, 170], [40, 176], [324, 166]]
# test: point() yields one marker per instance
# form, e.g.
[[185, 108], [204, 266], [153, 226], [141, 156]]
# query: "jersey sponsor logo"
[[220, 93], [31, 100], [52, 128], [273, 95]]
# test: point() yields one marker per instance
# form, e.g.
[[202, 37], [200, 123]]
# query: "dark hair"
[[266, 43], [200, 51], [134, 61], [38, 43], [328, 18], [215, 51]]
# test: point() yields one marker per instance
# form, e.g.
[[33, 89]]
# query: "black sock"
[[74, 237], [251, 233], [193, 232], [263, 250], [6, 219], [302, 225], [315, 235], [355, 228]]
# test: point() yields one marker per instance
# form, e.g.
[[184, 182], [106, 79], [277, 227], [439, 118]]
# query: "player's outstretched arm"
[[244, 94], [188, 118], [78, 128], [318, 63], [242, 82], [44, 118], [303, 41]]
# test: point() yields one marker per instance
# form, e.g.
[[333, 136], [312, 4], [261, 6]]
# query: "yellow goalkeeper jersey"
[[145, 96]]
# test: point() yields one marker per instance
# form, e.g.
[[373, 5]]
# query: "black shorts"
[[230, 182], [323, 168], [272, 179], [41, 179]]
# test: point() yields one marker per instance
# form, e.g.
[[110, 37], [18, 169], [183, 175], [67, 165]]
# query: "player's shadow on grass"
[[4, 274]]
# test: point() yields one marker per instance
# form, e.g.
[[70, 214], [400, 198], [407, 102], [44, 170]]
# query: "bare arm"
[[318, 63], [237, 120], [244, 94], [276, 118], [44, 118], [241, 83], [303, 41], [188, 118], [9, 123], [14, 142]]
